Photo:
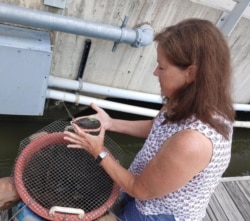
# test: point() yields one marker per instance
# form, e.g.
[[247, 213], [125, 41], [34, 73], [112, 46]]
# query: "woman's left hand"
[[94, 144]]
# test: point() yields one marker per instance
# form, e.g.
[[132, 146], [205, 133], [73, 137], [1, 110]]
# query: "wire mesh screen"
[[60, 126], [48, 174], [66, 177]]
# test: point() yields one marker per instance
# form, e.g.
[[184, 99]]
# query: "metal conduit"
[[85, 100], [138, 37], [65, 83], [75, 85]]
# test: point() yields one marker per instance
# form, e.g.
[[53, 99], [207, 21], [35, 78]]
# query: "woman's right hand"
[[101, 115]]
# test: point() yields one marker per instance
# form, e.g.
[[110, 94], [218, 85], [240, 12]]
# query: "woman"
[[188, 144]]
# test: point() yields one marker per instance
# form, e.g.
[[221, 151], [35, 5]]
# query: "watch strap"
[[101, 156]]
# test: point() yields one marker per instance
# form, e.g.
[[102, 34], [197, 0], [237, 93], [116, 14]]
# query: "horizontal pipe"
[[80, 99], [85, 100], [243, 124], [64, 83], [241, 107], [140, 36], [115, 92]]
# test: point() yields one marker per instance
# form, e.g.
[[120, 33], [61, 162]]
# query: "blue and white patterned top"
[[190, 201]]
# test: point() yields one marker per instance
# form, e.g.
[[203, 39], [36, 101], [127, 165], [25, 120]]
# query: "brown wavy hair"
[[199, 42]]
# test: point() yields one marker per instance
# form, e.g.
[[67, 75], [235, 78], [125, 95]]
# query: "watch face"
[[103, 154]]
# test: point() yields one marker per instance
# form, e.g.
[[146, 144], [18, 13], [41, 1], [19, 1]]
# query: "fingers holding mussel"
[[90, 125]]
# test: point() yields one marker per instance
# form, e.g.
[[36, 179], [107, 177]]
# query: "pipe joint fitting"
[[144, 36]]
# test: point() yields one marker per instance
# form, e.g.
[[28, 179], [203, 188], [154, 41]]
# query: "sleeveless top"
[[190, 201]]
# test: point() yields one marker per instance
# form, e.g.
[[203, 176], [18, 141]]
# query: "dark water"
[[15, 128]]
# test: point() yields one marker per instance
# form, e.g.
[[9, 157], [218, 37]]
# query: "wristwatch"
[[101, 156]]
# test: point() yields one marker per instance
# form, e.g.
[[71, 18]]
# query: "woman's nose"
[[155, 73]]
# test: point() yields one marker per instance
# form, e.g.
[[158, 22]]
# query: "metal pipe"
[[228, 21], [243, 124], [64, 83], [140, 36], [80, 99], [85, 100], [241, 107], [115, 92]]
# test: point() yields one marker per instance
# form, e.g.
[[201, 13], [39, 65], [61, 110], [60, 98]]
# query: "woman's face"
[[171, 77]]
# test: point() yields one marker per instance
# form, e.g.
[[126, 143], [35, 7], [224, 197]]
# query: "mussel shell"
[[88, 123]]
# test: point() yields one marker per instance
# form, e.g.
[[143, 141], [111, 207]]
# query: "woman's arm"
[[178, 161], [138, 128]]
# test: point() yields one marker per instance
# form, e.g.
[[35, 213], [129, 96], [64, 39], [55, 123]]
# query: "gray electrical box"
[[25, 62]]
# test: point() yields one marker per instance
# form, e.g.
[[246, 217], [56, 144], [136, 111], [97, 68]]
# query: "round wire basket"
[[61, 183]]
